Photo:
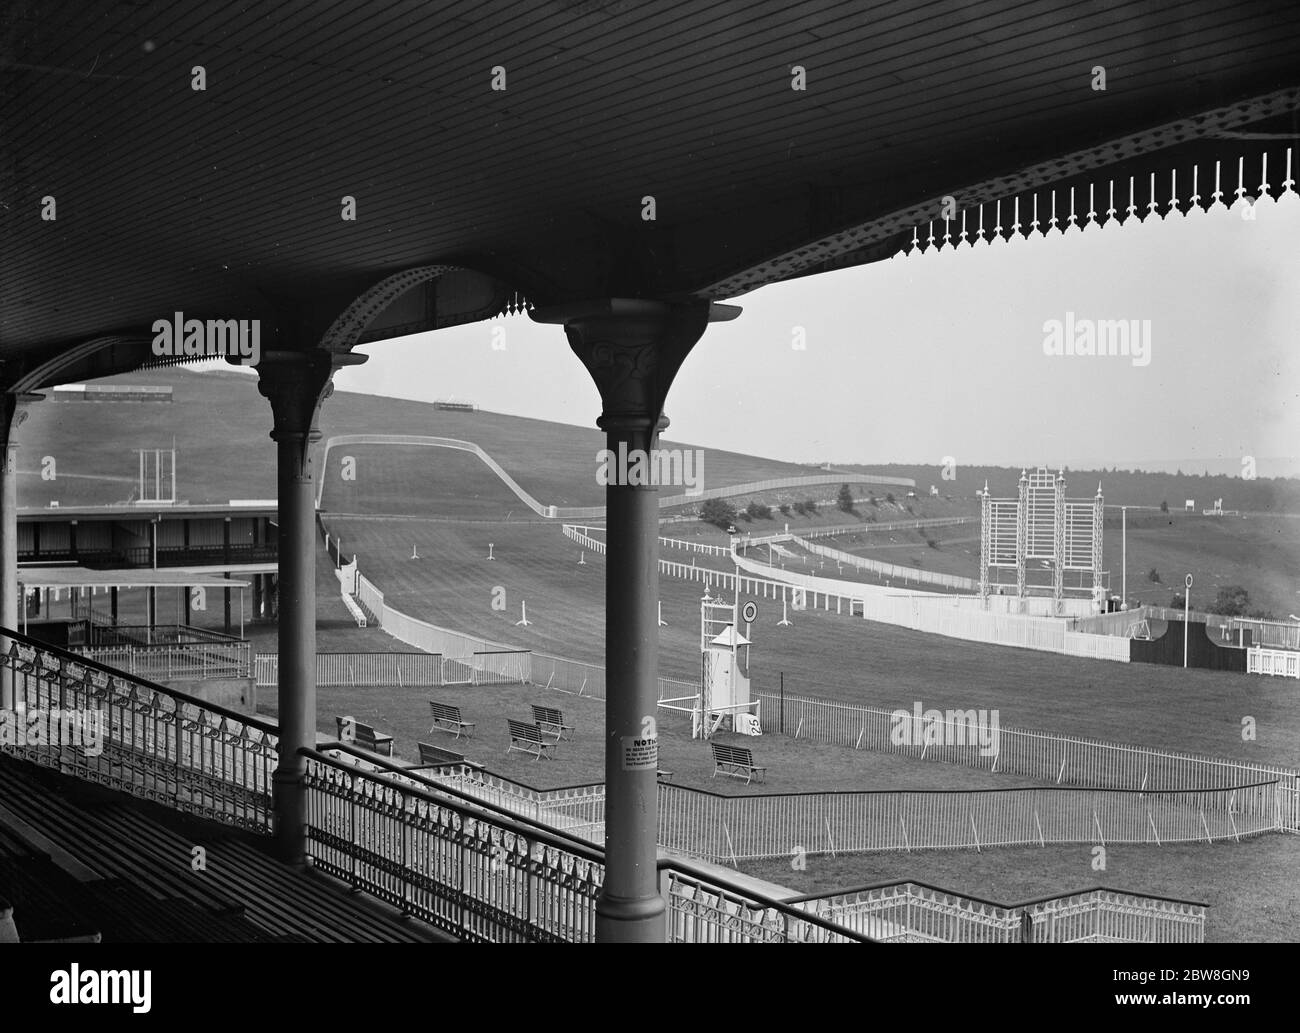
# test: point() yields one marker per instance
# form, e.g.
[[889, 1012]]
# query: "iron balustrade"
[[156, 743], [914, 912], [478, 872]]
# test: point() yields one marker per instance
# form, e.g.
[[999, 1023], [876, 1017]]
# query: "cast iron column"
[[295, 383], [632, 348]]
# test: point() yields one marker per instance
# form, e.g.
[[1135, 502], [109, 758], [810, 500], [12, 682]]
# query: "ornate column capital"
[[296, 383], [14, 412], [633, 348]]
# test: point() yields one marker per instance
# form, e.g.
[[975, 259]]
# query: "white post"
[[490, 556], [1187, 613], [662, 623], [1123, 510], [523, 621]]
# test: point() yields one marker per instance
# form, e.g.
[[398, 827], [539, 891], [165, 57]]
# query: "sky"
[[919, 358]]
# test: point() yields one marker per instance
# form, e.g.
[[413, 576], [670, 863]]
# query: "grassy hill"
[[221, 427]]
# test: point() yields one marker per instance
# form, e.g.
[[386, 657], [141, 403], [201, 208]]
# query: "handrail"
[[249, 720], [518, 823], [804, 898], [556, 838]]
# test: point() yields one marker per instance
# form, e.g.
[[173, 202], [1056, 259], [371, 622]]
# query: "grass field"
[[822, 655], [793, 767]]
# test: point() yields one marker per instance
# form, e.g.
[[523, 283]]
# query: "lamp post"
[[1123, 516], [1187, 612]]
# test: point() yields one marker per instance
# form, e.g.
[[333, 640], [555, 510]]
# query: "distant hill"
[[1119, 487], [221, 427]]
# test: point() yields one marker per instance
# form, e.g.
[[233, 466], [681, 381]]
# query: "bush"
[[1232, 601], [845, 499], [1164, 506], [810, 507], [1178, 603], [718, 512], [932, 543], [801, 509], [785, 509], [889, 497], [874, 501], [758, 511], [1153, 576], [746, 517]]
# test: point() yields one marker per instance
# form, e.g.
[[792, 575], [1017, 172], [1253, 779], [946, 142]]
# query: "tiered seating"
[[142, 884]]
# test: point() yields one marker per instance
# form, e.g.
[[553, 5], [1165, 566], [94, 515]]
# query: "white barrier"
[[407, 670], [946, 615], [1280, 662]]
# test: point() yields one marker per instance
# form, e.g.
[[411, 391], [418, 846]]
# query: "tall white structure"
[[1043, 537], [157, 476], [724, 669]]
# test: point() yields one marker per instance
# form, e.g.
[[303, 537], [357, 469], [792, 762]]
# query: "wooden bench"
[[736, 761], [364, 736], [527, 738], [551, 721], [437, 757], [448, 719]]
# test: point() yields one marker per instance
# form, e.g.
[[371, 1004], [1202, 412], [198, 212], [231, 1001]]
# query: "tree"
[[758, 511], [1178, 603], [801, 509], [785, 509], [718, 512], [810, 507], [845, 499], [1153, 576], [1164, 506], [1232, 601], [889, 497]]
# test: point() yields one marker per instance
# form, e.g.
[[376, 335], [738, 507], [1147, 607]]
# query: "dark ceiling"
[[226, 202]]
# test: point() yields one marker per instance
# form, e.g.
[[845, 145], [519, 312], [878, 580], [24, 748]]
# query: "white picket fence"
[[1281, 662]]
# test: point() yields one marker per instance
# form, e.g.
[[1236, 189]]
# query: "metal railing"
[[177, 662], [731, 829], [463, 865], [914, 912], [156, 635], [406, 670], [141, 738], [1049, 757]]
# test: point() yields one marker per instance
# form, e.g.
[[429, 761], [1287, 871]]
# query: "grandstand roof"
[[81, 577], [227, 202]]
